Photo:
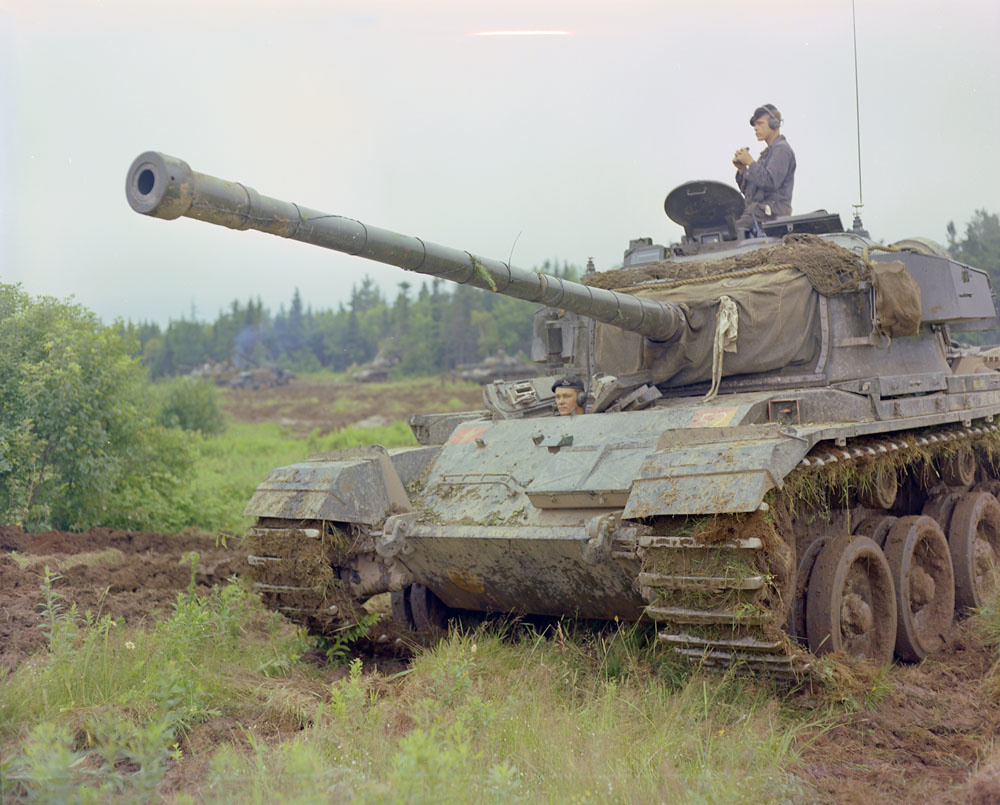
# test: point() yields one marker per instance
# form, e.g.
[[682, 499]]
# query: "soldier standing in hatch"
[[767, 183], [569, 395]]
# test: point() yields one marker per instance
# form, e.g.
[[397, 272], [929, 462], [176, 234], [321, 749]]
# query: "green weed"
[[338, 647]]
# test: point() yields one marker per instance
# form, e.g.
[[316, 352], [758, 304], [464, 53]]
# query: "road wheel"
[[796, 624], [974, 540], [851, 604], [876, 528], [922, 576], [993, 487], [940, 508], [427, 610], [881, 490], [959, 469]]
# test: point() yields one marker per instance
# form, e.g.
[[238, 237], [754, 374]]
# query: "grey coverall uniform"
[[767, 183]]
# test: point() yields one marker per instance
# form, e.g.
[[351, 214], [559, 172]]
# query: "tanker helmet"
[[568, 382]]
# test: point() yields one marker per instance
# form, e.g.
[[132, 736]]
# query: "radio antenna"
[[858, 226]]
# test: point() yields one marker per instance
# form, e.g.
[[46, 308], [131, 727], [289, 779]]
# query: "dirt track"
[[930, 740]]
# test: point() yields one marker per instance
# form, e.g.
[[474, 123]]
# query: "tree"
[[79, 445], [979, 248], [981, 245]]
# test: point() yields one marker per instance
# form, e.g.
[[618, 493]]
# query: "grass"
[[488, 715], [230, 466], [105, 712], [109, 556], [488, 719]]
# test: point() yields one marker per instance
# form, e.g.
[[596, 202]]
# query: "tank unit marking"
[[713, 417], [467, 433]]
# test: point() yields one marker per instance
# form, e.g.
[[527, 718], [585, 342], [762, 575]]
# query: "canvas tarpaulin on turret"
[[778, 315]]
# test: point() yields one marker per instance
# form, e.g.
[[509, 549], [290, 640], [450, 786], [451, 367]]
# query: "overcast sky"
[[401, 115]]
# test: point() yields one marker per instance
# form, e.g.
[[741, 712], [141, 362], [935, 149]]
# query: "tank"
[[492, 368], [785, 453], [378, 370]]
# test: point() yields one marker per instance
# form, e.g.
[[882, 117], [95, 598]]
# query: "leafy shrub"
[[79, 446], [191, 404]]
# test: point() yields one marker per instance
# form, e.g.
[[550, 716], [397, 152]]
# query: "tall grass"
[[486, 716], [486, 719]]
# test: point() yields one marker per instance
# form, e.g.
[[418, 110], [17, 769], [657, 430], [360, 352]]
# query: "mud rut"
[[130, 575]]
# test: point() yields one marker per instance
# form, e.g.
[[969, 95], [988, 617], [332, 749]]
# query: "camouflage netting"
[[831, 269]]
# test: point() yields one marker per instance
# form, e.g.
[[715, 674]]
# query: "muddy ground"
[[929, 739], [126, 574]]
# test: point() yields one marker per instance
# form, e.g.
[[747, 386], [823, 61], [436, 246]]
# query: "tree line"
[[980, 248], [431, 329]]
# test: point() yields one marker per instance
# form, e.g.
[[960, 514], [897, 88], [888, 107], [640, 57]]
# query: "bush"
[[191, 404], [79, 443]]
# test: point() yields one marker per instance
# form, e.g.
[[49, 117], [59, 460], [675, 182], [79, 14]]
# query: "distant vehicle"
[[495, 367], [258, 378], [261, 378], [378, 370]]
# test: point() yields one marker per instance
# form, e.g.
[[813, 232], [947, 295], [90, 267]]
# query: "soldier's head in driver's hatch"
[[569, 395]]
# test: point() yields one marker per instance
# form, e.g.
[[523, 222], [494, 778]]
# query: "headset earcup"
[[581, 398]]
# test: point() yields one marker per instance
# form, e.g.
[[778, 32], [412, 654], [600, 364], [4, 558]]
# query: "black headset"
[[773, 116]]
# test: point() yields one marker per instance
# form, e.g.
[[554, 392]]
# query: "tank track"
[[301, 569], [728, 604]]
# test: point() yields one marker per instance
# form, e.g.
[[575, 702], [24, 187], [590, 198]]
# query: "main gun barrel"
[[165, 187]]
